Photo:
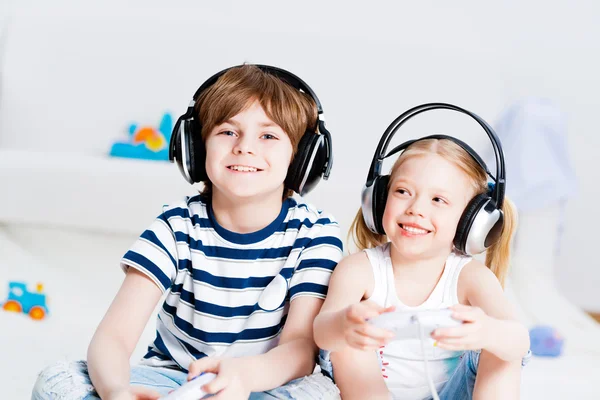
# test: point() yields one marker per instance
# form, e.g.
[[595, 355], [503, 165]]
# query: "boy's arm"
[[295, 355], [118, 333], [508, 339]]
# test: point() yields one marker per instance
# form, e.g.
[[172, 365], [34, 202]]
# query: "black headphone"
[[313, 159], [481, 223]]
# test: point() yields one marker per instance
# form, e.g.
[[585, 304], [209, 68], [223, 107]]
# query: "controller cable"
[[434, 392]]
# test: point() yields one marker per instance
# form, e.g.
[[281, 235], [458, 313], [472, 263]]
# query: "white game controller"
[[405, 324], [191, 390]]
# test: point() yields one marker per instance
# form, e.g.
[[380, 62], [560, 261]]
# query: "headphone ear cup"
[[196, 151], [180, 152], [174, 145], [380, 193], [465, 224], [496, 231], [308, 164]]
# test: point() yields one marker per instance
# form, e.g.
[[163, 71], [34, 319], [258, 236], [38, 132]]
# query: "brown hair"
[[239, 87], [498, 255]]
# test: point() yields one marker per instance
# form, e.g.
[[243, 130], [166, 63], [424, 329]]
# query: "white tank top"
[[401, 361]]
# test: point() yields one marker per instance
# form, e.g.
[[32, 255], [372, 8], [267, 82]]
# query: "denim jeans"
[[70, 381], [460, 385]]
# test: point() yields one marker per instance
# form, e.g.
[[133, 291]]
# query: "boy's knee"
[[63, 380], [315, 386], [325, 363], [319, 386]]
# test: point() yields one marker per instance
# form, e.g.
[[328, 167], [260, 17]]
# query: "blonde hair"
[[294, 111], [498, 255]]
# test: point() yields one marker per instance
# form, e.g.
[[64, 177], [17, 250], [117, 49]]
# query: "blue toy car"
[[22, 300]]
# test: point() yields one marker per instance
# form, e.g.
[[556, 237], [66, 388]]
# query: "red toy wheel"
[[37, 313], [13, 306]]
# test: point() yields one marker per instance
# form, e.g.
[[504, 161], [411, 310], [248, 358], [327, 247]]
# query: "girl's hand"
[[135, 393], [358, 332], [475, 333], [229, 383]]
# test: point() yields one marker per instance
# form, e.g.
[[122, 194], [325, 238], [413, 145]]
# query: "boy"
[[244, 265]]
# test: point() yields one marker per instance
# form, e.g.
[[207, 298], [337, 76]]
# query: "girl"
[[430, 185]]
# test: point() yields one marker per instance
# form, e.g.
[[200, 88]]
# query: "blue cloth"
[[71, 381], [533, 133], [546, 341]]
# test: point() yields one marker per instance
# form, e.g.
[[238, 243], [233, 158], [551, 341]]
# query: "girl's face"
[[427, 197]]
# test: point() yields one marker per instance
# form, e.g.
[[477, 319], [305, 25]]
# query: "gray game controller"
[[405, 324], [191, 390]]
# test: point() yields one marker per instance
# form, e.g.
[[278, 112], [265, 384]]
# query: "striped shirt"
[[228, 294]]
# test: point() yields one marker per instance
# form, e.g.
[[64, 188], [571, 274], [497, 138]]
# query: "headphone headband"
[[282, 74], [380, 156], [459, 142]]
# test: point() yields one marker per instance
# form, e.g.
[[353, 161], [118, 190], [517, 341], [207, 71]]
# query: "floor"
[[80, 274]]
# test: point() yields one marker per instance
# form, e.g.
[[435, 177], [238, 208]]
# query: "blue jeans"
[[70, 381], [460, 385]]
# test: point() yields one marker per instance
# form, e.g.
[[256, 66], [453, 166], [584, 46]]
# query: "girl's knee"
[[488, 360], [63, 380], [497, 378]]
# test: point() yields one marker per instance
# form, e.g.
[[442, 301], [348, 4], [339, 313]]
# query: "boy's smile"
[[243, 168], [248, 156]]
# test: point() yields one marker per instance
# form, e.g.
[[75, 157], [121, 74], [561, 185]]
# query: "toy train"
[[21, 300]]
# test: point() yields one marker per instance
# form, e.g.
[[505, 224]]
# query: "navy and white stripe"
[[214, 277]]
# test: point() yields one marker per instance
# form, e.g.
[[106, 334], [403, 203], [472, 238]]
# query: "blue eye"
[[227, 133], [268, 136]]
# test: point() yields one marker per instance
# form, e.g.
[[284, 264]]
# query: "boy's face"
[[248, 156]]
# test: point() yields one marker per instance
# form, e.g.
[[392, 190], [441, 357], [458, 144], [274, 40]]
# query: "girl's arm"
[[118, 333], [509, 339], [491, 324], [343, 315], [342, 320]]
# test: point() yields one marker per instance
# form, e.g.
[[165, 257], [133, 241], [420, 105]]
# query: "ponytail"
[[497, 257], [362, 235]]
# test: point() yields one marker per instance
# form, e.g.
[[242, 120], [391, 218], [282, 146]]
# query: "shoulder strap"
[[377, 258], [454, 264]]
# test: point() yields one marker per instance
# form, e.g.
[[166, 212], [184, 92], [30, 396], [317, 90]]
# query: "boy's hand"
[[229, 383], [135, 393], [475, 333], [360, 334]]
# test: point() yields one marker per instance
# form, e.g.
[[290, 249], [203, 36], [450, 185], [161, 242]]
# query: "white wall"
[[74, 76]]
